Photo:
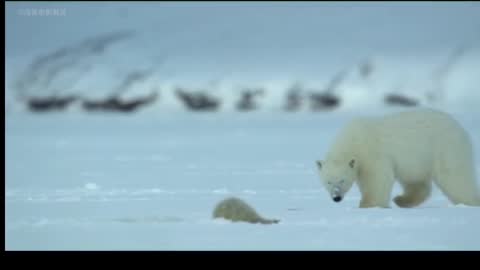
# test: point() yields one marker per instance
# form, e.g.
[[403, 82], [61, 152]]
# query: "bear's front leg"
[[368, 202], [376, 191]]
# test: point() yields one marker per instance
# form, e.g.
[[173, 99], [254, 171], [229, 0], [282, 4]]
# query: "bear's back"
[[422, 123], [412, 136], [412, 140]]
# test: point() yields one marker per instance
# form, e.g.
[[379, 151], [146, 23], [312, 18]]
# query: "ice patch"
[[40, 222], [125, 158], [159, 158], [62, 143], [91, 186], [459, 206], [90, 174], [166, 219], [221, 191], [239, 133], [220, 221], [192, 166], [238, 172], [37, 198], [68, 199]]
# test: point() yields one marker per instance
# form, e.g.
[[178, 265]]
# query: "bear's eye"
[[342, 181], [329, 183]]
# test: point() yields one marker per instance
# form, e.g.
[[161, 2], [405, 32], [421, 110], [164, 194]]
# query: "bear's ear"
[[319, 164], [352, 163]]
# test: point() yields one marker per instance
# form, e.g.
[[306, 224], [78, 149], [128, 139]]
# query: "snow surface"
[[150, 180], [80, 182]]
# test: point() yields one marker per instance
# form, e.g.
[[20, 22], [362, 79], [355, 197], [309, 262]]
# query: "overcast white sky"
[[309, 25], [279, 38]]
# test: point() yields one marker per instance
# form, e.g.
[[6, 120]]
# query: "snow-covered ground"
[[81, 182], [150, 180]]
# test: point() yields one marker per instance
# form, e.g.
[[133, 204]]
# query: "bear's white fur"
[[413, 148]]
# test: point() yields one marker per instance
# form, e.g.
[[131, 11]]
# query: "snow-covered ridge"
[[223, 50]]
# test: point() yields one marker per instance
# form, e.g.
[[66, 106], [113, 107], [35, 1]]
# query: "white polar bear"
[[410, 147]]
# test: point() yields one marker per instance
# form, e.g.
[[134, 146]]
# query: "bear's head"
[[337, 177]]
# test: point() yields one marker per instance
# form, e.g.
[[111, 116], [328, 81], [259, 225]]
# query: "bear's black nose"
[[337, 199]]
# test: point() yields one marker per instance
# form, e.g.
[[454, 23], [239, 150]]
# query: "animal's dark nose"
[[337, 199]]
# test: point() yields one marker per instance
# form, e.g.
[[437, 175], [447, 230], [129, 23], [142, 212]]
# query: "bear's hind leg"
[[414, 194], [459, 190], [455, 176]]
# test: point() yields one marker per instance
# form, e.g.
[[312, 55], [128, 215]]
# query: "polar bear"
[[413, 148]]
